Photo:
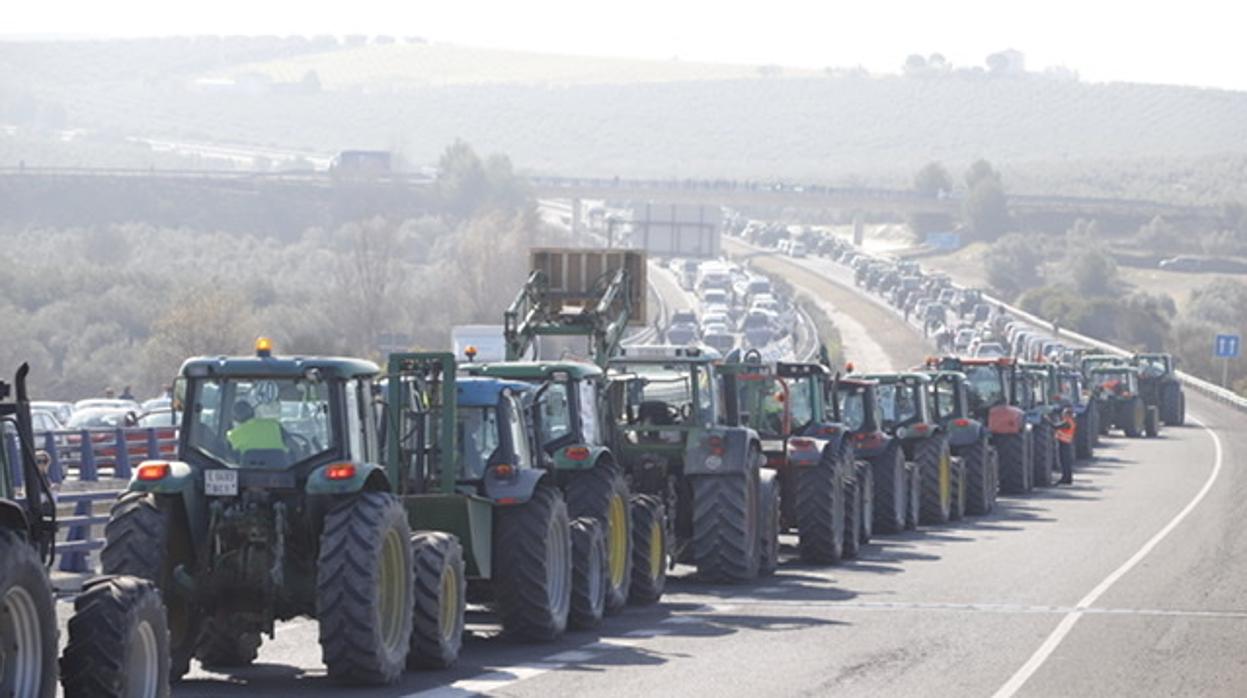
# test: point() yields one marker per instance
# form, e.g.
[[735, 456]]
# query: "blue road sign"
[[944, 241], [1226, 346]]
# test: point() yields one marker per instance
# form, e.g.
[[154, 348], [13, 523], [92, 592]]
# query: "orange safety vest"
[[1065, 433]]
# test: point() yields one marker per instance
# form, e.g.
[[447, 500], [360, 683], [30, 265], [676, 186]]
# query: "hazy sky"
[[1194, 42]]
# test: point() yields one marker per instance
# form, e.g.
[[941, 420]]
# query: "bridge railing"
[[88, 469]]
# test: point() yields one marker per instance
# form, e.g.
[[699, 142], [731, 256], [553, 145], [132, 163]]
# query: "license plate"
[[220, 483]]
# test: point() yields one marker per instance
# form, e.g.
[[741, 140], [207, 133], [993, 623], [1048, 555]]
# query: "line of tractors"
[[382, 501]]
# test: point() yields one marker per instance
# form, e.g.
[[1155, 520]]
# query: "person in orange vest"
[[1065, 433]]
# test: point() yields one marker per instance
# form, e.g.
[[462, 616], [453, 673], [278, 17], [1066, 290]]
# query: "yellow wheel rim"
[[946, 487], [449, 621], [392, 591], [617, 533], [655, 551]]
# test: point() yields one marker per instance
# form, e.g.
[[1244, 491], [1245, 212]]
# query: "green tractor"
[[883, 470], [787, 404], [1160, 387], [471, 449], [278, 505], [671, 432], [908, 415], [993, 394], [970, 441], [1037, 382], [118, 640], [1071, 391], [591, 295], [1120, 404]]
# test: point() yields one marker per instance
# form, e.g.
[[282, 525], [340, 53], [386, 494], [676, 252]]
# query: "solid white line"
[[1063, 628]]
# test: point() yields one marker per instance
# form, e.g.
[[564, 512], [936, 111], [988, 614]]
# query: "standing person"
[[110, 393], [126, 394]]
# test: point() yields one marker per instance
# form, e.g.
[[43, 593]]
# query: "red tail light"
[[152, 471], [961, 422], [340, 471], [715, 445], [801, 444], [577, 453]]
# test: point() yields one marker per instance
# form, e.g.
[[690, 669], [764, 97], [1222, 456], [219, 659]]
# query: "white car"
[[989, 350]]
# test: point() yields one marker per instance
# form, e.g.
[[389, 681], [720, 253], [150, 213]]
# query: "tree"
[[367, 282], [986, 210], [914, 65], [461, 180], [1013, 264], [979, 171], [1094, 272], [933, 180], [198, 322]]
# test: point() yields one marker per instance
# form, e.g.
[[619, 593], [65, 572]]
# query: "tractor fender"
[[833, 435], [574, 457], [1006, 419], [965, 434], [367, 477], [13, 517], [179, 480], [720, 450], [516, 488]]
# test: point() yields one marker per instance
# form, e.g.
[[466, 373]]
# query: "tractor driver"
[[252, 433]]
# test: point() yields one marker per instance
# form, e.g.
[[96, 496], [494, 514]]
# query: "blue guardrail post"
[[121, 463], [76, 560]]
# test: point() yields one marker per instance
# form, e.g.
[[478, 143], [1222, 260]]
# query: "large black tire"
[[933, 459], [1083, 435], [866, 488], [852, 518], [1151, 422], [1096, 420], [602, 493], [1014, 462], [768, 528], [1181, 409], [1045, 452], [149, 537], [1136, 415], [533, 566], [1171, 406], [441, 599], [118, 641], [820, 509], [980, 470], [365, 589], [726, 517], [224, 644], [913, 490], [27, 621], [649, 550], [957, 510], [891, 490], [590, 570]]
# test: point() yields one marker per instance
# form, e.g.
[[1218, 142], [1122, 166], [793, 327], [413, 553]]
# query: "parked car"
[[61, 410], [106, 403]]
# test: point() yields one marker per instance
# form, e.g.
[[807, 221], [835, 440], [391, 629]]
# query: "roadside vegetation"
[[119, 305]]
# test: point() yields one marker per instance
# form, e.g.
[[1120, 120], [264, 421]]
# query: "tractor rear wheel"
[[934, 462], [533, 566], [958, 473], [28, 621], [852, 518], [1171, 403], [590, 570], [602, 492], [365, 591], [649, 550], [726, 518], [768, 528], [1083, 435], [866, 492], [913, 492], [891, 490], [441, 597], [978, 474], [118, 641], [1014, 463], [1045, 450], [149, 537], [820, 509], [1151, 422], [1136, 414], [225, 644]]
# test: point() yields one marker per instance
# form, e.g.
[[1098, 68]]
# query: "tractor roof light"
[[470, 352], [263, 347]]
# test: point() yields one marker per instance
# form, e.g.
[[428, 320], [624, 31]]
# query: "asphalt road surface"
[[1130, 582]]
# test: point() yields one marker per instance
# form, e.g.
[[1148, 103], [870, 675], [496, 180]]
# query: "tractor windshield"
[[1153, 366], [898, 404], [853, 407], [1118, 382], [664, 395], [260, 422], [985, 387]]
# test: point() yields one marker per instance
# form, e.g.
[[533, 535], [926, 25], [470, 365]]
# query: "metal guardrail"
[[87, 467]]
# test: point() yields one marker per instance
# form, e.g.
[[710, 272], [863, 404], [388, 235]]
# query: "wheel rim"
[[142, 663], [946, 487], [655, 551], [392, 591], [618, 543], [558, 567], [450, 604], [21, 660]]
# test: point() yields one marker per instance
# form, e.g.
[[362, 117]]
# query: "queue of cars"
[[736, 308]]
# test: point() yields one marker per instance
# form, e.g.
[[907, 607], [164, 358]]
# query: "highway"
[[1130, 582]]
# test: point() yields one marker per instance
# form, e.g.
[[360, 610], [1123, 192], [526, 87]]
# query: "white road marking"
[[1063, 628], [644, 632], [490, 681]]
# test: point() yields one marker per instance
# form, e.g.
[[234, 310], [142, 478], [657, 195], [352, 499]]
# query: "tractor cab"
[[905, 401]]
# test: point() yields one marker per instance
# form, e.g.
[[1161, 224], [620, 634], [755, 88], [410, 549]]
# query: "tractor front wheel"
[[533, 566], [649, 550], [118, 641], [27, 621], [590, 571], [602, 492], [440, 600]]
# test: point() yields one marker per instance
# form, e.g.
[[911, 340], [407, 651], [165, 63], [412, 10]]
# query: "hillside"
[[662, 119]]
